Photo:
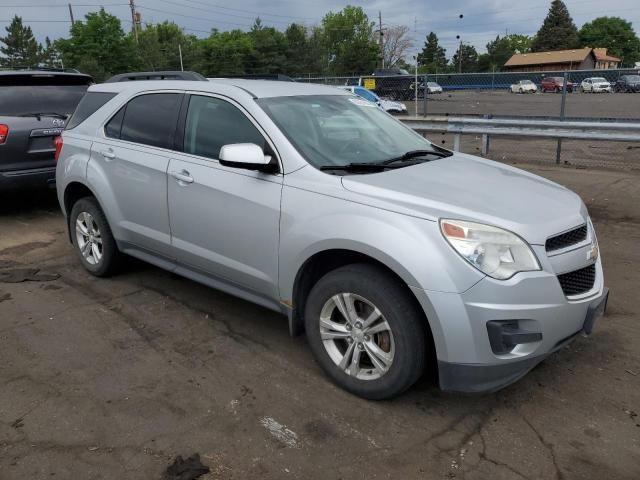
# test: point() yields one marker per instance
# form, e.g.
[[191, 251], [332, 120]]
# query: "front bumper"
[[28, 179], [468, 361]]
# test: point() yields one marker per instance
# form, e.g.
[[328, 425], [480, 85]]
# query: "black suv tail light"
[[57, 142], [4, 132]]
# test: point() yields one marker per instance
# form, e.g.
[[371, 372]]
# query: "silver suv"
[[390, 252]]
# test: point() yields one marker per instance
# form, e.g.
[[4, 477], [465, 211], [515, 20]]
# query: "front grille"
[[566, 239], [578, 281]]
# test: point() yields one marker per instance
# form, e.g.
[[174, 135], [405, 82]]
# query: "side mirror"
[[246, 155]]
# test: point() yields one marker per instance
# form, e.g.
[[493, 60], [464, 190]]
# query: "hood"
[[469, 188]]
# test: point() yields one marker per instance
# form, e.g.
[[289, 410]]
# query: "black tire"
[[407, 323], [111, 256]]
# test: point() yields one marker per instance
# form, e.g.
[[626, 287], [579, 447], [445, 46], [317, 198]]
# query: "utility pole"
[[381, 39], [134, 20], [460, 59], [71, 14], [181, 64]]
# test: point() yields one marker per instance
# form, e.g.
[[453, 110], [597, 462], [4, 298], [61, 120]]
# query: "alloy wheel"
[[89, 238], [357, 337]]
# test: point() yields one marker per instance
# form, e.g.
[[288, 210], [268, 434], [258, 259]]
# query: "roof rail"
[[160, 75]]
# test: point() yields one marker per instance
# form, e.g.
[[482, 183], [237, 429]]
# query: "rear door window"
[[151, 119], [89, 104]]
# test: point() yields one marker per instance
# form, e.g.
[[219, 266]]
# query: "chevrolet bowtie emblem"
[[593, 253]]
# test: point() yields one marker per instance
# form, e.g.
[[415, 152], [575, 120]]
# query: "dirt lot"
[[601, 105], [529, 150], [113, 378]]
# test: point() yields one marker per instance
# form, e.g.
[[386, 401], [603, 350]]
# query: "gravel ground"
[[112, 378]]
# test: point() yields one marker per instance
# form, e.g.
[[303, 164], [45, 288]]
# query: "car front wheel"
[[366, 332]]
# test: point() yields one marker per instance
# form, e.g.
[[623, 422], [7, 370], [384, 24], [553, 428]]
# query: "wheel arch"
[[326, 260], [73, 192]]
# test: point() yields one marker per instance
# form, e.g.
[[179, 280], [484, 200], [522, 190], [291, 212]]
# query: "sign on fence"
[[370, 83]]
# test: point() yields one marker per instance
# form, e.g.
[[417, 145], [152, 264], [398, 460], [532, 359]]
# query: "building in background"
[[578, 59]]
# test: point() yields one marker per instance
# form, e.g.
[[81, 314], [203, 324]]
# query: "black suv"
[[628, 84], [394, 83], [34, 108]]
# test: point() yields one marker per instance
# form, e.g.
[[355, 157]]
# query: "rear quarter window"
[[89, 104]]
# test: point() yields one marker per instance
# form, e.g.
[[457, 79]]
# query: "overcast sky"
[[482, 21]]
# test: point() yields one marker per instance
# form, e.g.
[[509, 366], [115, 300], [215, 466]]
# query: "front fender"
[[411, 247]]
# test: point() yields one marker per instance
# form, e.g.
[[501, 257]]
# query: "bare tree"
[[396, 44]]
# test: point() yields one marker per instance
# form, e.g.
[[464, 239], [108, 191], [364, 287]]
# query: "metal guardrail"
[[514, 127]]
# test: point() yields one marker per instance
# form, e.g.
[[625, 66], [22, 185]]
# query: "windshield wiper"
[[413, 154], [45, 114]]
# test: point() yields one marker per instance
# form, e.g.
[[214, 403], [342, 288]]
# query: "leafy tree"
[[159, 47], [614, 33], [268, 54], [98, 46], [469, 59], [502, 49], [558, 32], [433, 56], [226, 53], [20, 49], [349, 41]]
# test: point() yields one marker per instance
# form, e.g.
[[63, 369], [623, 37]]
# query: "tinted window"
[[151, 119], [21, 99], [112, 129], [212, 123], [366, 94], [89, 104]]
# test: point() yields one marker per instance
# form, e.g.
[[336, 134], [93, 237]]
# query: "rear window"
[[20, 99], [89, 104]]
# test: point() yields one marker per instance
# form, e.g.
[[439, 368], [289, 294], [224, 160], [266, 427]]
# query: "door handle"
[[109, 154], [182, 176]]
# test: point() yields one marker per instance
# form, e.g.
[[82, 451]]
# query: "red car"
[[554, 84]]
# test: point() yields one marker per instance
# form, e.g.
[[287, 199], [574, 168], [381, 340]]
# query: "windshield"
[[632, 78], [432, 84], [330, 130], [598, 79], [526, 82], [19, 99]]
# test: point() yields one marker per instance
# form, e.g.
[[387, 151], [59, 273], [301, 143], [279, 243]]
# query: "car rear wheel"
[[92, 238], [366, 332]]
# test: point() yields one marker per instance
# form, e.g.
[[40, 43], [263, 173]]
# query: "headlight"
[[494, 251]]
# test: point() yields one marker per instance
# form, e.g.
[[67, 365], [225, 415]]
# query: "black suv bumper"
[[28, 179]]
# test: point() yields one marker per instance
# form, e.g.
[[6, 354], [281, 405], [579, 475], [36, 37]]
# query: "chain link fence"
[[520, 95]]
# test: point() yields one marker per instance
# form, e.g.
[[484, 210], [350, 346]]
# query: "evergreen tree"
[[558, 32], [20, 49], [433, 56]]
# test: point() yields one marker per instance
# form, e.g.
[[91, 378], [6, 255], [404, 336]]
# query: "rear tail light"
[[57, 142], [4, 132]]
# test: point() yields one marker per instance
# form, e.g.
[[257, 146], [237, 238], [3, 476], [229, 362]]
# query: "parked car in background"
[[524, 86], [34, 107], [596, 85], [556, 84], [628, 84], [388, 106], [391, 253], [433, 87]]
